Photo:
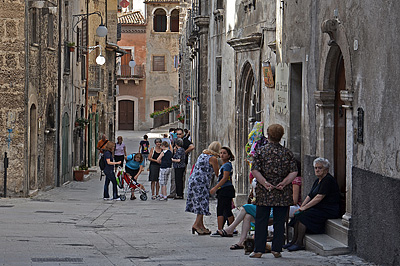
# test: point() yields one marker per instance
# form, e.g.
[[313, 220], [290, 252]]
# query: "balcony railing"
[[127, 73]]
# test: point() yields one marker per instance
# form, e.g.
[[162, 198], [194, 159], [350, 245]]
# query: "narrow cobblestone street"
[[72, 225]]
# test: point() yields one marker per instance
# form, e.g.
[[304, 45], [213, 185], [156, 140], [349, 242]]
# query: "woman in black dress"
[[321, 204], [154, 168]]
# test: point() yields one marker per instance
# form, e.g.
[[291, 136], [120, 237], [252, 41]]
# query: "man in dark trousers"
[[188, 146]]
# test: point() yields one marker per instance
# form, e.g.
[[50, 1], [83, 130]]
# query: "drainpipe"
[[58, 109]]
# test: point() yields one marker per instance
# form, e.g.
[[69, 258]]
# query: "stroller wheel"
[[143, 197], [122, 197]]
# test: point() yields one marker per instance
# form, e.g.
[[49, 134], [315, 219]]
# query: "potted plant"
[[181, 118], [80, 172], [71, 46], [81, 122]]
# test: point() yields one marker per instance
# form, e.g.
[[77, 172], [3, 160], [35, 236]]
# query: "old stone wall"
[[12, 94], [161, 85]]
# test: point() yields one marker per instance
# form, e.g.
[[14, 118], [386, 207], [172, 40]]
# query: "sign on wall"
[[268, 77], [281, 89]]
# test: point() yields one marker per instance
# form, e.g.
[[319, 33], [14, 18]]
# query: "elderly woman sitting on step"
[[321, 204]]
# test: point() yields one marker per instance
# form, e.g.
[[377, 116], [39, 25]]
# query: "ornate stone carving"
[[218, 15], [250, 42], [330, 26]]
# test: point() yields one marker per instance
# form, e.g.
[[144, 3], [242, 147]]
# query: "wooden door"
[[162, 119], [340, 134], [126, 115]]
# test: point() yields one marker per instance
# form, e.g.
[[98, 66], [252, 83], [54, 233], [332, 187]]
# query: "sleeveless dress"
[[198, 190], [154, 168]]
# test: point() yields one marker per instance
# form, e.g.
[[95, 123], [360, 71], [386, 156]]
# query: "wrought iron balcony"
[[138, 72]]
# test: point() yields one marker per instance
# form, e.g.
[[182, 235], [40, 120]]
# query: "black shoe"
[[295, 247], [235, 232], [287, 245], [178, 197]]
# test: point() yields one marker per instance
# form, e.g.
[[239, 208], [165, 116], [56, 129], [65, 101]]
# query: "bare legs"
[[221, 220], [237, 221], [155, 186], [198, 223], [247, 219]]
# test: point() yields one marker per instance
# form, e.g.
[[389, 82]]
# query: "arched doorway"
[[248, 102], [32, 171], [65, 172], [340, 132]]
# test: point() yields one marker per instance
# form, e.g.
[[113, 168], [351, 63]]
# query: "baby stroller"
[[128, 183]]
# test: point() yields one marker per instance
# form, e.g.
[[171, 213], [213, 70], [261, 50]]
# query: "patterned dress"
[[198, 191]]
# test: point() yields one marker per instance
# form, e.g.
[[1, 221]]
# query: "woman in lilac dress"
[[198, 191]]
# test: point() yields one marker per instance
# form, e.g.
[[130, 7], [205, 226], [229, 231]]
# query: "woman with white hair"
[[321, 204]]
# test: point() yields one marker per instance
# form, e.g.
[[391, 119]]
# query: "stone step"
[[337, 231], [325, 245]]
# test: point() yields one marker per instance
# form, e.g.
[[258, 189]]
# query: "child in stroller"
[[126, 182]]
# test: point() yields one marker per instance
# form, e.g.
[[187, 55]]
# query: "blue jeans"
[[110, 177], [262, 217]]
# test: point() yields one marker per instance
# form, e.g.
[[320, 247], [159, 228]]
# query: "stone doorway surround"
[[325, 97], [248, 65]]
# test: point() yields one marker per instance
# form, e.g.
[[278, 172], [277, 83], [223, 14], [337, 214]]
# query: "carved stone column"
[[347, 97], [203, 38], [168, 23], [325, 122]]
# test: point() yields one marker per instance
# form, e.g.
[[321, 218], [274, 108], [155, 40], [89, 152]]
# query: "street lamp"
[[101, 31], [132, 63], [100, 59]]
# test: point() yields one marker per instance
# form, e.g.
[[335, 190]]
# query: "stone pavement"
[[73, 225]]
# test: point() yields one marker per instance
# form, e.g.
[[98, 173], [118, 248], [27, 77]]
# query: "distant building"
[[132, 98], [162, 79]]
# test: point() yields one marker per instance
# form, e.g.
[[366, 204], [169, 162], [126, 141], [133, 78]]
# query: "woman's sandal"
[[236, 246], [224, 233]]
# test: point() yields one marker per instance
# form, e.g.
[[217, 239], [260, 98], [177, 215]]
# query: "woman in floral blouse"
[[274, 168], [179, 167]]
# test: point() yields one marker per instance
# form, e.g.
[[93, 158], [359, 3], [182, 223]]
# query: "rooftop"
[[134, 17]]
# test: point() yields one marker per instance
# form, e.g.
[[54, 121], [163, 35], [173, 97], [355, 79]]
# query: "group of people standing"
[[168, 160], [276, 173]]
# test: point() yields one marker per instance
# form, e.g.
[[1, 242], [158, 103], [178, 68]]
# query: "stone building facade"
[[44, 84], [329, 99], [131, 100], [162, 79]]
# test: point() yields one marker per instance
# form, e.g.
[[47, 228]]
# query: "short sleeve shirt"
[[180, 154], [226, 167], [274, 162], [145, 147], [328, 187], [186, 144], [131, 163], [109, 167]]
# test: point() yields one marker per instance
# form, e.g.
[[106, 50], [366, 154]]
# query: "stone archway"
[[247, 102], [334, 110]]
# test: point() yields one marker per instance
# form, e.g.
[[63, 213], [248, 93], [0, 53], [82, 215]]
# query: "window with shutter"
[[158, 63], [175, 21], [160, 21]]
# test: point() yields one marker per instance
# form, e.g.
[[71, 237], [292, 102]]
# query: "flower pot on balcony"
[[71, 49], [78, 175]]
